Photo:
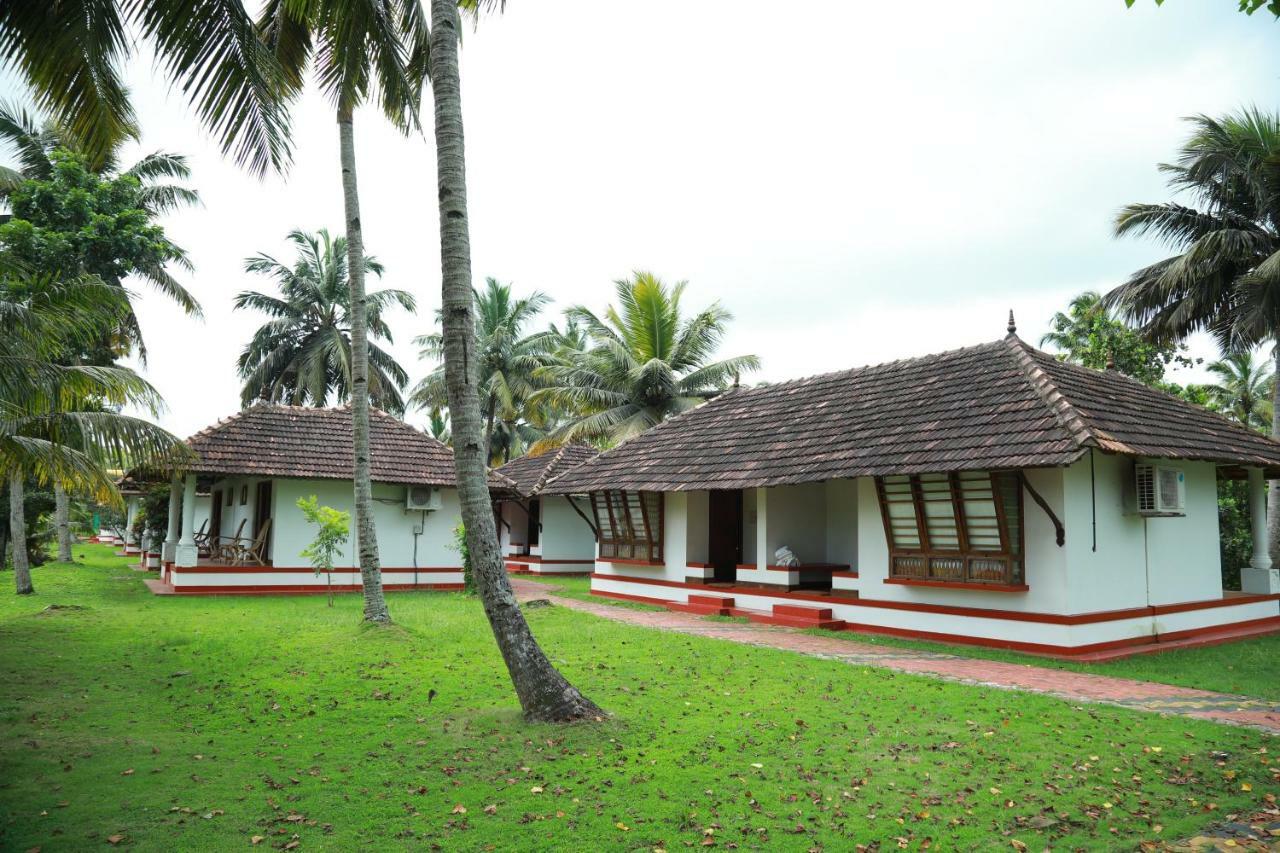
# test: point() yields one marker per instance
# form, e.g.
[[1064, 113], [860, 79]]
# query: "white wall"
[[291, 533], [1139, 560], [796, 517], [203, 503], [697, 529], [565, 535], [514, 527], [750, 522], [842, 522]]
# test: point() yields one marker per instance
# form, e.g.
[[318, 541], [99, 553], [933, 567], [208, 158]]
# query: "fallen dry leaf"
[[256, 839], [459, 809], [115, 839]]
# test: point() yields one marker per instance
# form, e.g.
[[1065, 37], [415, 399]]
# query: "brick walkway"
[[1073, 686]]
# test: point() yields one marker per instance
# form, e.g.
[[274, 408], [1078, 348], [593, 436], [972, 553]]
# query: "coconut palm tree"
[[303, 354], [34, 140], [354, 47], [70, 54], [151, 185], [646, 362], [1243, 389], [544, 693], [438, 425], [506, 358], [1225, 275], [59, 422]]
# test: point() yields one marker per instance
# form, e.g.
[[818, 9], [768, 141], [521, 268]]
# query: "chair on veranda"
[[203, 535], [223, 548], [257, 550]]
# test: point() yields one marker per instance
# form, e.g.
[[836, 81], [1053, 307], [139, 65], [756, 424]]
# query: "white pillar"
[[170, 546], [186, 554], [1259, 577], [1258, 520], [762, 530], [130, 513]]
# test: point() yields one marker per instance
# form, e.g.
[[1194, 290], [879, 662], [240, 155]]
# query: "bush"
[[460, 545], [334, 530]]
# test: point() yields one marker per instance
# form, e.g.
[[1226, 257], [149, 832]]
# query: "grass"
[[1246, 668], [200, 723]]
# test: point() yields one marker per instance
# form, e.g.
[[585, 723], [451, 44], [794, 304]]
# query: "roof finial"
[[1111, 359], [1013, 327]]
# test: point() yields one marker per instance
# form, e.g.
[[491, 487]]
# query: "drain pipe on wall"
[[418, 530], [1093, 500]]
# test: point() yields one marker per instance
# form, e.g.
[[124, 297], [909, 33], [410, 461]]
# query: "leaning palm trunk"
[[375, 603], [1273, 489], [18, 534], [544, 693], [62, 521]]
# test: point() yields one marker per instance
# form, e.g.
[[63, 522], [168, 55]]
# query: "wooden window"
[[630, 525], [964, 527]]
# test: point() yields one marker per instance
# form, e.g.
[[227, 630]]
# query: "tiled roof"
[[530, 473], [298, 441], [1001, 405]]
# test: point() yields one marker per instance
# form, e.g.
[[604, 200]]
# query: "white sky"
[[856, 183]]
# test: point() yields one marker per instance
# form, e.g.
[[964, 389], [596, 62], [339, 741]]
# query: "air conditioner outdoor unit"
[[1160, 491], [425, 498]]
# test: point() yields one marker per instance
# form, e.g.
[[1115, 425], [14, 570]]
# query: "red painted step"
[[796, 616], [717, 600], [704, 605], [815, 613]]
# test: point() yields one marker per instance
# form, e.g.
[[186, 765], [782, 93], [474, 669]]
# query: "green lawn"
[[200, 723], [1249, 667]]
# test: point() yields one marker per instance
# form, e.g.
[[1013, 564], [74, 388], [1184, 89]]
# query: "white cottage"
[[990, 495], [147, 552], [258, 463], [546, 535]]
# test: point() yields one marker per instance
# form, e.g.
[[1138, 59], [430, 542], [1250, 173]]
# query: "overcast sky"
[[857, 183]]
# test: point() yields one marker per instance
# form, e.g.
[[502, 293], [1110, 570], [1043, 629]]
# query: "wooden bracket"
[[1043, 504], [583, 516]]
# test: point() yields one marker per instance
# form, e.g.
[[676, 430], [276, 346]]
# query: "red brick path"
[[1073, 686]]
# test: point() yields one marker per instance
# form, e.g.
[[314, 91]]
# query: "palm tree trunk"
[[18, 533], [1273, 487], [544, 693], [375, 603], [62, 521]]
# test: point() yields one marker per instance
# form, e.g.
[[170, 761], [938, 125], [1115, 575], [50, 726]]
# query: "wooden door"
[[724, 536], [215, 515], [261, 506], [534, 531]]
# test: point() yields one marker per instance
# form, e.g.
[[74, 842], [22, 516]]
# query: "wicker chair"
[[256, 550], [223, 548]]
